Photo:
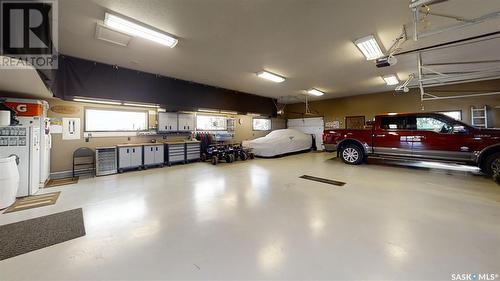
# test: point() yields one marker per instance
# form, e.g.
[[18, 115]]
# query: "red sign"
[[25, 109]]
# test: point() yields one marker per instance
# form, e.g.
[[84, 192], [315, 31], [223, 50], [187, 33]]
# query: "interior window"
[[455, 114], [393, 123], [211, 123], [433, 124], [105, 120], [261, 124]]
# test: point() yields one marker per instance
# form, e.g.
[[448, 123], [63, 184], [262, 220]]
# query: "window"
[[261, 124], [455, 114], [211, 123], [393, 123], [433, 124], [105, 120]]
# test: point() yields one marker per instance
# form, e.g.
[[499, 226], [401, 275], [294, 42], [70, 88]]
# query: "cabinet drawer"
[[175, 158]]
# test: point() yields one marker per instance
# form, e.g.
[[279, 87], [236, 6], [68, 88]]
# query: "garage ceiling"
[[224, 42]]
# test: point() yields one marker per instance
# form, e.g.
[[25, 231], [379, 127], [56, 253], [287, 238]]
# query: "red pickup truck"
[[418, 135]]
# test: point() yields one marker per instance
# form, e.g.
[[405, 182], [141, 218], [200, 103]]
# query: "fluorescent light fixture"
[[369, 47], [135, 29], [97, 101], [141, 105], [253, 114], [271, 76], [208, 110], [229, 112], [390, 79], [315, 92]]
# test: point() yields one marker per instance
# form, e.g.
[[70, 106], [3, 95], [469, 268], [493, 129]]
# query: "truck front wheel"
[[352, 154], [491, 164]]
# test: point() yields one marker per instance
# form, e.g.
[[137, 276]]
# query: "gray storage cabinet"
[[129, 157], [167, 122], [193, 151], [186, 122], [175, 152], [153, 155]]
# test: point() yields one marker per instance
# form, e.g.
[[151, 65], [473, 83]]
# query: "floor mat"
[[25, 236], [333, 182], [59, 182], [34, 201]]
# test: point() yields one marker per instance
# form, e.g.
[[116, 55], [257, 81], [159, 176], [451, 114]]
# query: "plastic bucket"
[[9, 181]]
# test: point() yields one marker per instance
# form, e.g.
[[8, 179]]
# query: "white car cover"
[[279, 142]]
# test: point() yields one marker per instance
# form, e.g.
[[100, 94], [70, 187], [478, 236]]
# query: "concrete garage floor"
[[258, 220]]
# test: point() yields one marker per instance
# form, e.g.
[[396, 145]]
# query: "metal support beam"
[[433, 97]]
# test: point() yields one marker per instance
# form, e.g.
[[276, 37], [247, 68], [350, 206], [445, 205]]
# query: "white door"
[[314, 126]]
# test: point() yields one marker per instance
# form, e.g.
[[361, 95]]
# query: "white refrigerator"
[[24, 142], [40, 120]]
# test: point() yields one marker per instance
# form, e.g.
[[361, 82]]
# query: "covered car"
[[280, 142]]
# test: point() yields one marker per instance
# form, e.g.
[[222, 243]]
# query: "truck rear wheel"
[[491, 164], [352, 154]]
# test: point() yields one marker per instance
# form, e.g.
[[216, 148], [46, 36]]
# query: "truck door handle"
[[127, 150], [380, 136]]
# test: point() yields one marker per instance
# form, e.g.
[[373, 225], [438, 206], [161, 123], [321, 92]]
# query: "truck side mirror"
[[459, 129]]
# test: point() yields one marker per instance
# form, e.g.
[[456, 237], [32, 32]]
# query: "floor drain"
[[323, 180]]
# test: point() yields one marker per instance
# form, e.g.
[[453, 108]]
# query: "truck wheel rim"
[[350, 155], [495, 166]]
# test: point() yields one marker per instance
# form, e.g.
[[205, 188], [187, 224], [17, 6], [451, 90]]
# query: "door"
[[136, 156], [159, 154], [393, 137], [149, 155], [437, 137], [34, 176], [314, 126], [123, 157]]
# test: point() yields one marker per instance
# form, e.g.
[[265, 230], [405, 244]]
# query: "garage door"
[[309, 126]]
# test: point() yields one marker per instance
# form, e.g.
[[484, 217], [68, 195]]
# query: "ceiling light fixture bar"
[[135, 29], [271, 76], [208, 110], [390, 79], [315, 92], [97, 101], [141, 105], [369, 46]]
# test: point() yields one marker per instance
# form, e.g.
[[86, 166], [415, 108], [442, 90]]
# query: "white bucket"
[[4, 118], [9, 181]]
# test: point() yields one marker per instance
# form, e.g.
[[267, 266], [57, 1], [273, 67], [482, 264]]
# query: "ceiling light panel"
[[369, 46], [135, 29], [271, 76], [315, 92], [390, 79]]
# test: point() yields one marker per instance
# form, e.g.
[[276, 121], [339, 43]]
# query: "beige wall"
[[62, 150], [372, 104]]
